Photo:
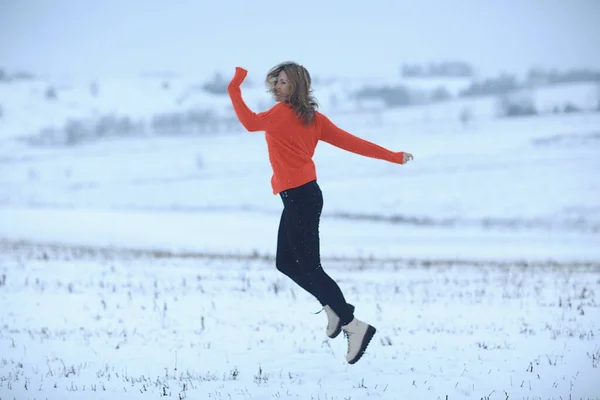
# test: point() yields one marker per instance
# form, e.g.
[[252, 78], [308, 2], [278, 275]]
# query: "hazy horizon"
[[85, 39]]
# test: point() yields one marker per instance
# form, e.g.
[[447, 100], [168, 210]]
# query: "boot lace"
[[347, 335]]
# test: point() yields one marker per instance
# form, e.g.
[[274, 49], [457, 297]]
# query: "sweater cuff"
[[398, 157], [238, 78]]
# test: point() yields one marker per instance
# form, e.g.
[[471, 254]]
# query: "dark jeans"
[[298, 252]]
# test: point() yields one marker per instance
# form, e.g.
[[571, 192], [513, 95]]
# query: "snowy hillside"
[[529, 175], [66, 111]]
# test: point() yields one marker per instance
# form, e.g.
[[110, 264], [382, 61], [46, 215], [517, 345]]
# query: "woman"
[[293, 127]]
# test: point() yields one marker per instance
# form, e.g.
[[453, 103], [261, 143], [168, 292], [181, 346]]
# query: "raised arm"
[[250, 120], [331, 134]]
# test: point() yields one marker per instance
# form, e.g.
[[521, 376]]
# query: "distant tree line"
[[392, 96], [447, 69], [403, 95], [539, 76], [81, 130], [218, 84], [506, 83], [19, 75], [491, 86]]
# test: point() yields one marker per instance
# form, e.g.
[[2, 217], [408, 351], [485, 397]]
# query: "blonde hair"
[[301, 98]]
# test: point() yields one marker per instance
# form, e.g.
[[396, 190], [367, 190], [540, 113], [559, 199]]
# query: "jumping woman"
[[293, 127]]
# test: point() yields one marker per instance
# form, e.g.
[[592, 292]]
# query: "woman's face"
[[282, 87]]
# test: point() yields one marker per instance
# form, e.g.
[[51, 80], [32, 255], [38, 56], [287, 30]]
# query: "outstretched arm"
[[331, 134], [250, 120]]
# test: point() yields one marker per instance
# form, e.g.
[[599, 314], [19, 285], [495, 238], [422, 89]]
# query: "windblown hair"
[[301, 98]]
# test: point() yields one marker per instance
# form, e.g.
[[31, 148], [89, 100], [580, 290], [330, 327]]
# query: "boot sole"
[[365, 342], [337, 332]]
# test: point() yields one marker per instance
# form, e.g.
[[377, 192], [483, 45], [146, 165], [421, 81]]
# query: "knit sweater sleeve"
[[333, 135], [250, 120]]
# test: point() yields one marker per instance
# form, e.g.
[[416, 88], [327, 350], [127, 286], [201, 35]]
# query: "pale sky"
[[347, 37]]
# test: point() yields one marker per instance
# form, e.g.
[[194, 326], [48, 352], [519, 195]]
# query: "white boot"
[[334, 326], [359, 334]]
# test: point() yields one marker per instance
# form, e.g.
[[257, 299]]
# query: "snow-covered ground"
[[144, 267], [82, 323]]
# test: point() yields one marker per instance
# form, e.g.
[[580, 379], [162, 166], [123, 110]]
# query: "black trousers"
[[298, 248]]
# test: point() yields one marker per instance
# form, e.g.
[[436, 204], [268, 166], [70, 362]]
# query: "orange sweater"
[[291, 145]]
